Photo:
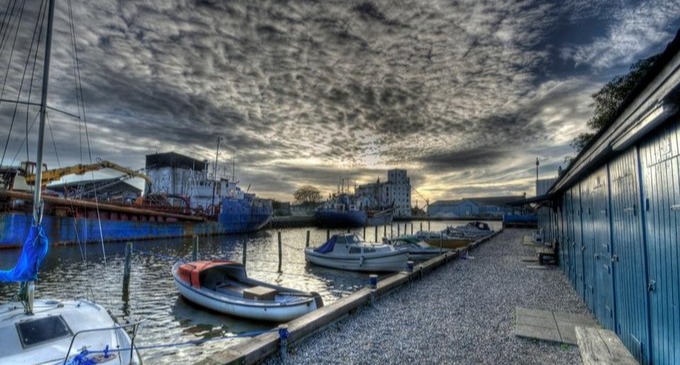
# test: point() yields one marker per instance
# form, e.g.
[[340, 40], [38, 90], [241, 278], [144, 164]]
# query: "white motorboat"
[[418, 250], [224, 287], [472, 230], [349, 252]]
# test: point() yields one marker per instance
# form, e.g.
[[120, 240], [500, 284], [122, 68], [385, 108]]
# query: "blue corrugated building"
[[616, 215]]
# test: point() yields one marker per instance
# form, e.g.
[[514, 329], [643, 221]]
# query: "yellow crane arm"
[[56, 174]]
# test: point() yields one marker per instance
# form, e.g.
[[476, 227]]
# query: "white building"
[[396, 190]]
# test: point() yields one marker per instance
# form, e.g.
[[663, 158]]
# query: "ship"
[[345, 210], [205, 206]]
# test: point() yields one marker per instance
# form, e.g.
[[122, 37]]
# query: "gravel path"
[[462, 313]]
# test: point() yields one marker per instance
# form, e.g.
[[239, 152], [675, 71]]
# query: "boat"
[[69, 219], [473, 230], [418, 250], [346, 210], [443, 239], [348, 251], [51, 331], [223, 286]]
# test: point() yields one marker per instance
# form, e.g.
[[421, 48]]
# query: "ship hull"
[[236, 217]]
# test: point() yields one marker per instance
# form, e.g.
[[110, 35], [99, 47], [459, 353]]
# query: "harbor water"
[[86, 272]]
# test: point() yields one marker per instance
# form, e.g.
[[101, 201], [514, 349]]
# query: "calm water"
[[154, 298]]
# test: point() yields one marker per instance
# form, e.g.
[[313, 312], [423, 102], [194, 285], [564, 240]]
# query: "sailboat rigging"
[[52, 331]]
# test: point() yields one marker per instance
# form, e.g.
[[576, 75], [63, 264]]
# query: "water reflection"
[[152, 296]]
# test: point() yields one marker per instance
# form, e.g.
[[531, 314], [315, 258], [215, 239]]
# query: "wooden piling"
[[307, 242], [328, 234], [127, 268], [194, 254], [385, 231], [421, 226], [391, 230], [398, 230], [376, 233], [280, 251], [364, 234], [245, 251], [428, 225], [411, 228]]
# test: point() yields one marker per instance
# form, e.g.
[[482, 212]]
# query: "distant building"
[[396, 190], [491, 207], [173, 173]]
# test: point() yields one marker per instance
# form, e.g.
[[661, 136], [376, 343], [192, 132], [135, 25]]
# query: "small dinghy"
[[471, 230], [224, 286], [349, 252]]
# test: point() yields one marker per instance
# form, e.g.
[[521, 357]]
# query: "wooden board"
[[259, 293], [602, 347]]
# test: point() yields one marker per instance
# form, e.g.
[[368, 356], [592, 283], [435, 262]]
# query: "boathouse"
[[616, 216]]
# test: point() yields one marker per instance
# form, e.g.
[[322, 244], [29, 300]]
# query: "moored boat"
[[224, 286], [345, 210], [51, 331], [442, 239], [349, 252], [58, 332], [418, 250], [471, 230]]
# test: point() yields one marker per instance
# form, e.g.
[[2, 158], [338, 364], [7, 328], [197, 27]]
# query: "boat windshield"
[[353, 239]]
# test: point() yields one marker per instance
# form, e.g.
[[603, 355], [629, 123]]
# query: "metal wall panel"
[[579, 247], [569, 229], [628, 256], [588, 243], [660, 165], [602, 255]]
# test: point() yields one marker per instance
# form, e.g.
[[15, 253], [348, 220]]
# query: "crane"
[[79, 169], [427, 201]]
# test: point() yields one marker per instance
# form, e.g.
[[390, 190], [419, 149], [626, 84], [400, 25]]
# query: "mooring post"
[[373, 285], [194, 254], [280, 253], [421, 226], [405, 225], [127, 267], [364, 234], [391, 231], [441, 242], [428, 224], [307, 243], [283, 342], [398, 229], [245, 251], [411, 228], [328, 234], [376, 233], [385, 230]]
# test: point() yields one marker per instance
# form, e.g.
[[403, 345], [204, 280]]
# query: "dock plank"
[[602, 347]]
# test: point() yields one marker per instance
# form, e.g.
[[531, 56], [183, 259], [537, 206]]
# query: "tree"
[[610, 97], [307, 194]]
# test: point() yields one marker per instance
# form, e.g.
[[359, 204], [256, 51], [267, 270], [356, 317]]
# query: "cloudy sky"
[[465, 95]]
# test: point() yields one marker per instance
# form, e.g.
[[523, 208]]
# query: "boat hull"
[[239, 307], [393, 261], [14, 226]]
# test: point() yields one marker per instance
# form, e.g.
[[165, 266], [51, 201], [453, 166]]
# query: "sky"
[[464, 95]]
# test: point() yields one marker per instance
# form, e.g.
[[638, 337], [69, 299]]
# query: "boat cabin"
[[346, 243]]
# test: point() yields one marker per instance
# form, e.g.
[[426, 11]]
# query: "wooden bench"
[[545, 253], [602, 347]]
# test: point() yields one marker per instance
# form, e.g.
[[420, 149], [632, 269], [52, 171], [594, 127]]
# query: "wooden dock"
[[258, 348]]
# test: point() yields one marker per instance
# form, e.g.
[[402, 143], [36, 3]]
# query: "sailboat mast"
[[37, 204]]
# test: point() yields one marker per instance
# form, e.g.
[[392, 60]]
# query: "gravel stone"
[[461, 313]]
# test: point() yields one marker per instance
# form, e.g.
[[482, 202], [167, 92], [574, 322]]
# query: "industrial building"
[[615, 214], [396, 190]]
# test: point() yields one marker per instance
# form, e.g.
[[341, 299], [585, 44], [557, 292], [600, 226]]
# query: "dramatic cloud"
[[464, 94]]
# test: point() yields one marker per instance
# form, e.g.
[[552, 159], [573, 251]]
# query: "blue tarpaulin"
[[32, 255], [327, 247]]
